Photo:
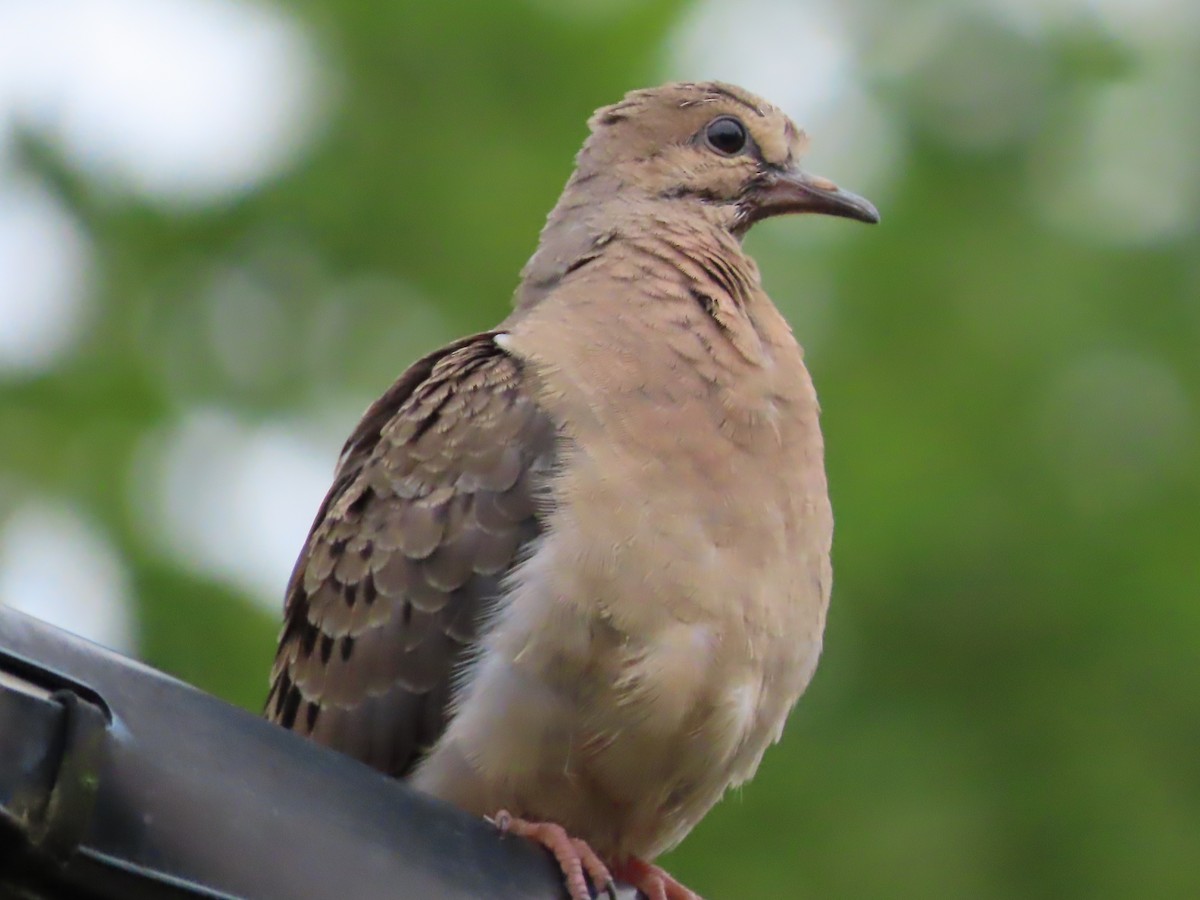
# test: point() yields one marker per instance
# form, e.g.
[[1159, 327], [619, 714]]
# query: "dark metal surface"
[[117, 781]]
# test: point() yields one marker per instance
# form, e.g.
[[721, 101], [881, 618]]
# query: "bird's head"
[[714, 144]]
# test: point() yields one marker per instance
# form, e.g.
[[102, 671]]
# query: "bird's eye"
[[726, 135]]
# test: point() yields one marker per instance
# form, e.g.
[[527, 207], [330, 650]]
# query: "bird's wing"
[[433, 502]]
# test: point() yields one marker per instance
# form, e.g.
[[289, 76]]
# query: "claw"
[[574, 856]]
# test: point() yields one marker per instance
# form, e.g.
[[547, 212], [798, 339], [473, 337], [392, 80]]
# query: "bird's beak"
[[794, 191]]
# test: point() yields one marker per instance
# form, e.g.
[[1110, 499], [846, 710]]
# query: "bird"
[[573, 572]]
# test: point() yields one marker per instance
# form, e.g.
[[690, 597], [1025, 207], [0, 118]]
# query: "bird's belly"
[[625, 732]]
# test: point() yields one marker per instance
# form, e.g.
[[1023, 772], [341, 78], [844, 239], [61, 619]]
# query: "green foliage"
[[1008, 703]]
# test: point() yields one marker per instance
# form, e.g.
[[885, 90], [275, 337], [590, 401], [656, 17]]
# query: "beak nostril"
[[822, 184]]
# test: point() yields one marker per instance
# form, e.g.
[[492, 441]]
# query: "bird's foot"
[[653, 881], [574, 855]]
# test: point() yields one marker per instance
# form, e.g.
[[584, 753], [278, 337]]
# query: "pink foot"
[[574, 856], [653, 881]]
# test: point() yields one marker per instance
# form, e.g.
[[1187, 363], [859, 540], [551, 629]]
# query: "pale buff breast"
[[637, 673], [614, 712]]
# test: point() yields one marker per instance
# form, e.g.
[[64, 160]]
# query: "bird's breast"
[[661, 660], [648, 649]]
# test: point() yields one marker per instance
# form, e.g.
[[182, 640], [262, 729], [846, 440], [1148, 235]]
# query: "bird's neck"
[[594, 210]]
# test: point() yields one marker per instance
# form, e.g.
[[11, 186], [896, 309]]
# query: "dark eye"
[[726, 135]]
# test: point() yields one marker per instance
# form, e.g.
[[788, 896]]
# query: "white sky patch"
[[44, 258], [234, 500], [180, 101], [55, 565]]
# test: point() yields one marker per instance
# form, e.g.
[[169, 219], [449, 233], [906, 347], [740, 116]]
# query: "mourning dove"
[[573, 573]]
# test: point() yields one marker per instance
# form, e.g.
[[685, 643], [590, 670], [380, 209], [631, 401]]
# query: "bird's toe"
[[574, 856], [654, 882]]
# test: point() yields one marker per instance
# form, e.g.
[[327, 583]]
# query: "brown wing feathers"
[[432, 504]]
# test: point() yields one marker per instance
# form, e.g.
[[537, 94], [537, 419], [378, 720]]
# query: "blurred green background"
[[226, 226]]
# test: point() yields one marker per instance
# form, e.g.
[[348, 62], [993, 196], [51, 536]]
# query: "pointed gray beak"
[[794, 191]]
